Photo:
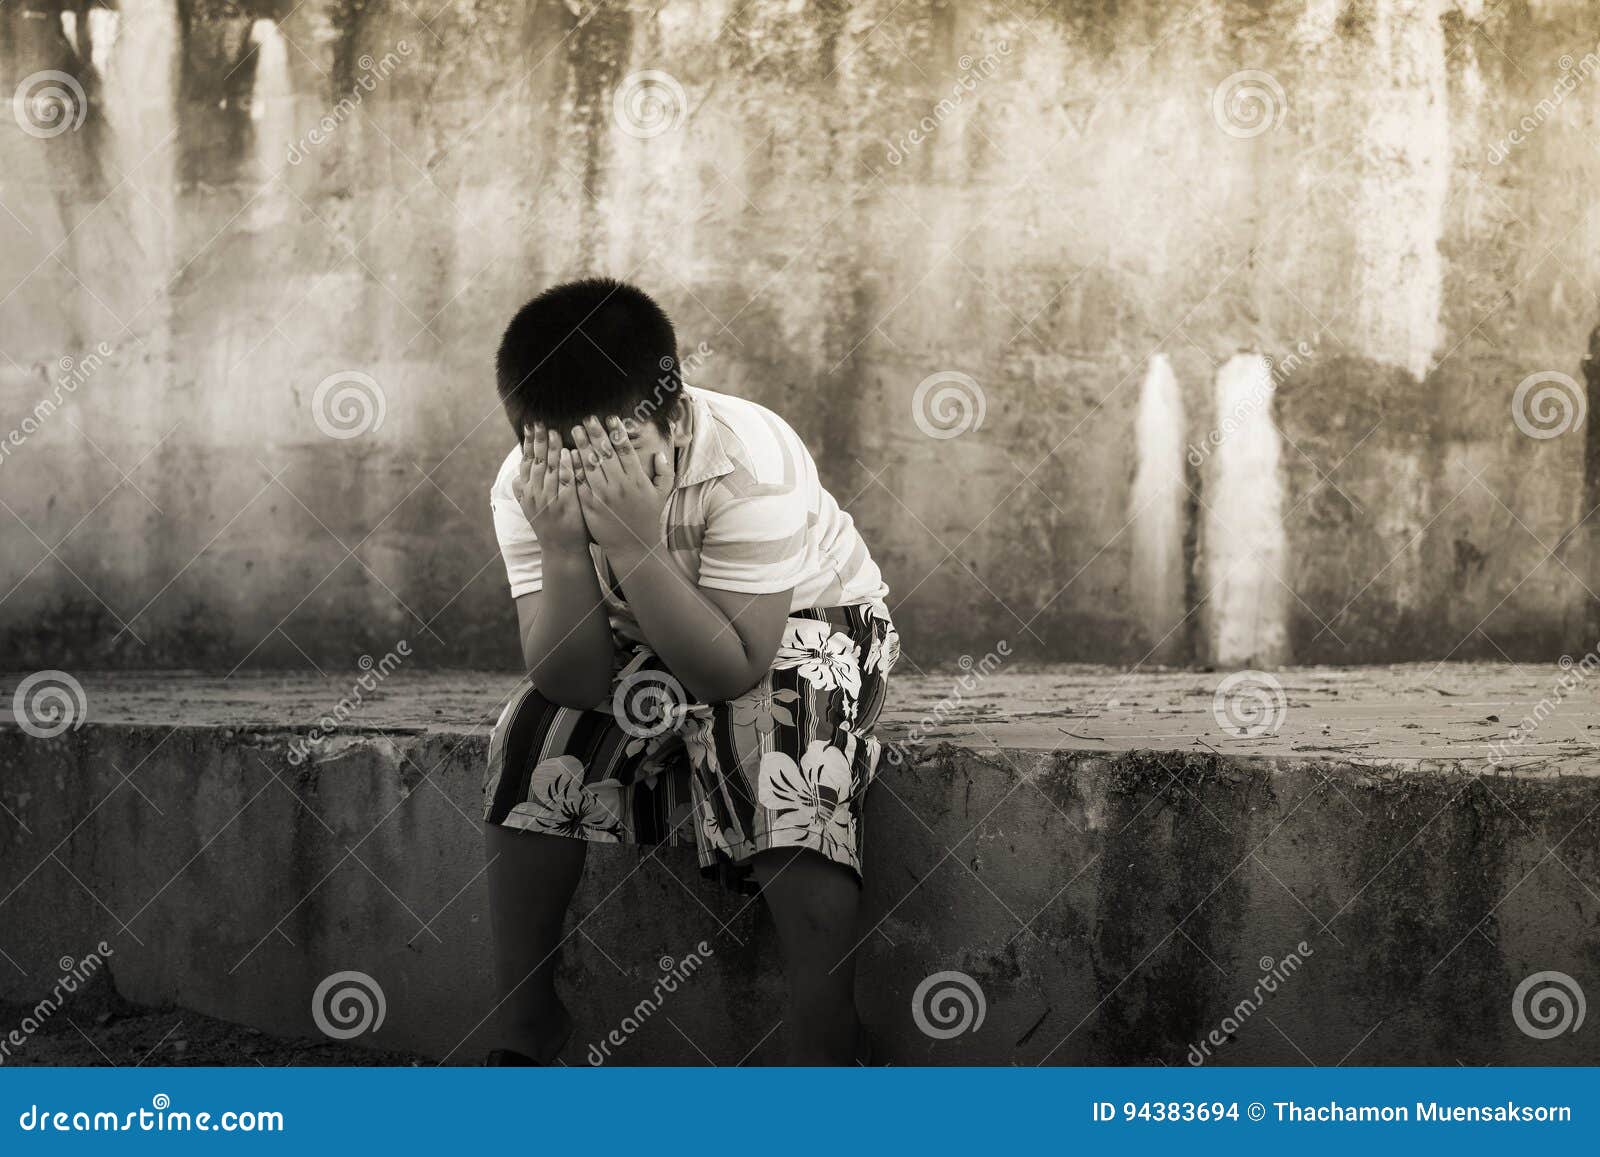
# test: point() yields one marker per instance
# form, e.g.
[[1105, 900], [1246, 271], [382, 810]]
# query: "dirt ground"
[[98, 1027]]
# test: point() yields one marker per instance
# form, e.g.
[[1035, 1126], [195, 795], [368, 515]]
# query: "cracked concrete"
[[1421, 715], [1112, 891]]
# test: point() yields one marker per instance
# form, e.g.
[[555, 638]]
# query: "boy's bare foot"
[[507, 1058], [538, 1042], [866, 1050]]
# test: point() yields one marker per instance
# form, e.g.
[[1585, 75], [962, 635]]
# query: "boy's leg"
[[814, 903], [532, 876]]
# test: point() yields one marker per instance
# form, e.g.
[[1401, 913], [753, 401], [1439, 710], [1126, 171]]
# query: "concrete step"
[[1120, 869]]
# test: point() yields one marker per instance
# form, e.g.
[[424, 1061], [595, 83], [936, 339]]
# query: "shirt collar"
[[704, 457]]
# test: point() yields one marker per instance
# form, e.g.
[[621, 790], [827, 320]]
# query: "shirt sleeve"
[[519, 546], [755, 537]]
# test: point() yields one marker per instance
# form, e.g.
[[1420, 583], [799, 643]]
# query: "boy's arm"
[[718, 643], [566, 638]]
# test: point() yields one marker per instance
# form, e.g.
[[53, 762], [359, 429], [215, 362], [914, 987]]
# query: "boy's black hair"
[[596, 346]]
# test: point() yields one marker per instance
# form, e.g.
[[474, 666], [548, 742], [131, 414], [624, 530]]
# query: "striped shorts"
[[784, 765]]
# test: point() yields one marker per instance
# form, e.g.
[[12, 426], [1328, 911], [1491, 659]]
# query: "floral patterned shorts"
[[783, 766]]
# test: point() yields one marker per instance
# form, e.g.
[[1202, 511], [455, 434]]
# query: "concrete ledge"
[[1115, 901]]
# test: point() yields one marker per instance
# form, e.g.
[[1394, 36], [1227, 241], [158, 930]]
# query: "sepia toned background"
[[234, 228], [1244, 347]]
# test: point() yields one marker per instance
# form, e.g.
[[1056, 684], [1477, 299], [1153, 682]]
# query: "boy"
[[707, 647]]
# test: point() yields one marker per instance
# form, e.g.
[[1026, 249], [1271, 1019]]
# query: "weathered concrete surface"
[[1439, 716], [1077, 213], [1114, 897]]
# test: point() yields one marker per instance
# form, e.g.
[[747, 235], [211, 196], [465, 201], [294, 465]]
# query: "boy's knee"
[[807, 892]]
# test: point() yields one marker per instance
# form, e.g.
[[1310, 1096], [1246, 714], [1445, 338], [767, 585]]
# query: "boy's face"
[[643, 434], [646, 438]]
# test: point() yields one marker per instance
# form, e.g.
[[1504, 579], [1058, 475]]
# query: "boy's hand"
[[622, 496], [546, 486]]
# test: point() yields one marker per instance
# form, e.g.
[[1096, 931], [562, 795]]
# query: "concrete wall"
[[1112, 908], [1081, 208]]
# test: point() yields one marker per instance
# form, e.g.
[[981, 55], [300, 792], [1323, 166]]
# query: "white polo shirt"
[[746, 514]]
